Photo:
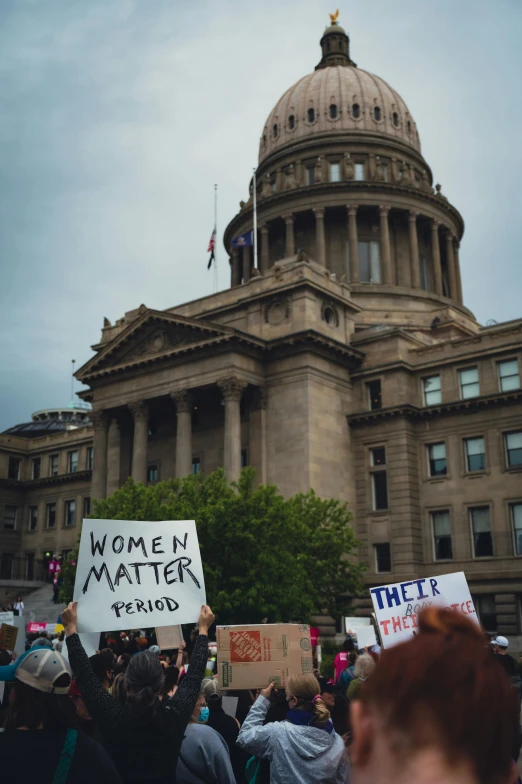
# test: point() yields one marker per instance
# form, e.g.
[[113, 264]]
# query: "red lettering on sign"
[[245, 646], [396, 623], [405, 622], [385, 625]]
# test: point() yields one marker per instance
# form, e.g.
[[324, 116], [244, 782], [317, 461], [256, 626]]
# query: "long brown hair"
[[443, 688], [37, 710]]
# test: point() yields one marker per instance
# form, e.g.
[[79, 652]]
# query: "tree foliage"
[[264, 556]]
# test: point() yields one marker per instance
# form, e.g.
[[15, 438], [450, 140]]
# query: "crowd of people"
[[442, 707]]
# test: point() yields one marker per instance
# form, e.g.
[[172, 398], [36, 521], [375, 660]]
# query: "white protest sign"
[[352, 623], [132, 574], [7, 617], [398, 605], [90, 642], [366, 637], [229, 705]]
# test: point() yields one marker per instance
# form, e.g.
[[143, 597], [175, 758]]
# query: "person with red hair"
[[437, 709]]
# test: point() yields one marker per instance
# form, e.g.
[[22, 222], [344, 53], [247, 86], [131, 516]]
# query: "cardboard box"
[[249, 657]]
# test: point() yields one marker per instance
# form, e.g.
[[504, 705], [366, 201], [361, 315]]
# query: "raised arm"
[[179, 658], [253, 736], [104, 709]]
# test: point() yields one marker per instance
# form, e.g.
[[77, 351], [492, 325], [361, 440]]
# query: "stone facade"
[[345, 360]]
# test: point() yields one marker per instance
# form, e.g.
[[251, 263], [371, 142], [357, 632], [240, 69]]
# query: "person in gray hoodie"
[[304, 748]]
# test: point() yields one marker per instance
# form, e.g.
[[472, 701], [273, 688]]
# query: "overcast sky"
[[118, 116]]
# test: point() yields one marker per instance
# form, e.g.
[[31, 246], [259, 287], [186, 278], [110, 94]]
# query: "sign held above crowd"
[[398, 605], [133, 573]]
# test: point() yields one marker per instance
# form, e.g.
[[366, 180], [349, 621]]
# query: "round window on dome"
[[311, 115], [356, 111], [275, 131], [395, 119], [333, 111], [264, 140], [291, 122], [377, 113]]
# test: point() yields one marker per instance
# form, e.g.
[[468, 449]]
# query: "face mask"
[[204, 713]]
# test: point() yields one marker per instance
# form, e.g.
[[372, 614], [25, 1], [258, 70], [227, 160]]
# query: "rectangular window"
[[382, 557], [244, 458], [29, 566], [14, 468], [86, 506], [10, 517], [53, 465], [378, 456], [369, 263], [152, 473], [469, 383], [508, 375], [72, 462], [50, 516], [196, 465], [70, 513], [374, 394], [481, 528], [36, 468], [385, 171], [514, 448], [516, 518], [33, 518], [90, 456], [441, 525], [486, 611], [359, 172], [310, 175], [335, 171], [6, 566], [475, 454], [432, 391], [437, 459], [379, 490]]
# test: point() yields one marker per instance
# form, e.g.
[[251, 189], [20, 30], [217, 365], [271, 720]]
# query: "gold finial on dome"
[[334, 17]]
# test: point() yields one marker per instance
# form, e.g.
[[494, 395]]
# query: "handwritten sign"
[[397, 606], [8, 635], [6, 617], [138, 574], [169, 637]]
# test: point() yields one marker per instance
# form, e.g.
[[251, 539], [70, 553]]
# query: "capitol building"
[[346, 361]]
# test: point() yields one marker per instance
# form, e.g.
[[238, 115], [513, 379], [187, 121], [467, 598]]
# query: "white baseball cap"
[[502, 642]]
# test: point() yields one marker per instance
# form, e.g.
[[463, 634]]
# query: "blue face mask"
[[204, 713]]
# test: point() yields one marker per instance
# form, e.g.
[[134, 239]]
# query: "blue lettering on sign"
[[418, 583], [403, 591], [394, 599], [433, 584], [377, 592], [392, 595]]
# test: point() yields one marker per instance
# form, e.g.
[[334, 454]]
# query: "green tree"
[[264, 556]]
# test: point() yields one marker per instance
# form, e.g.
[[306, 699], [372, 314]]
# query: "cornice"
[[46, 481]]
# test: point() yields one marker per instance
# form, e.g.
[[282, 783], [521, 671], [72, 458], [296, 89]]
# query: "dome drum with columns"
[[341, 177]]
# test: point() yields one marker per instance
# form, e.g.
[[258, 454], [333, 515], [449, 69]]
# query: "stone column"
[[257, 435], [140, 414], [236, 268], [414, 250], [265, 260], [247, 264], [353, 243], [232, 390], [319, 237], [435, 254], [452, 275], [385, 245], [100, 423], [183, 402], [290, 243], [113, 457], [457, 272]]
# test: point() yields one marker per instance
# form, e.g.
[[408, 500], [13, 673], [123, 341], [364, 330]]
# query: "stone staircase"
[[39, 606]]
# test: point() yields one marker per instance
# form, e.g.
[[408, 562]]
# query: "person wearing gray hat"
[[40, 705], [42, 642]]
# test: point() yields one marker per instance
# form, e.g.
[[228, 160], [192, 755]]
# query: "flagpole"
[[255, 222], [216, 279]]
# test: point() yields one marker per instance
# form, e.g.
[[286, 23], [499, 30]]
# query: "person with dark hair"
[[348, 674], [338, 706], [103, 669], [39, 705], [122, 662], [143, 735], [437, 708], [227, 726], [340, 661], [170, 683]]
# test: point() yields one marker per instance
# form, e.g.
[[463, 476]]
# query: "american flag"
[[210, 249]]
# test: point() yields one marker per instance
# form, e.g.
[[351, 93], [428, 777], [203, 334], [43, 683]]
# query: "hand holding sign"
[[70, 618], [206, 619]]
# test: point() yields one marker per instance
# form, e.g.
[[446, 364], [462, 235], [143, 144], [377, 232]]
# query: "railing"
[[16, 568]]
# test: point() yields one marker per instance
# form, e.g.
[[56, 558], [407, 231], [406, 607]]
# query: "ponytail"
[[144, 679], [305, 687], [142, 703], [322, 714]]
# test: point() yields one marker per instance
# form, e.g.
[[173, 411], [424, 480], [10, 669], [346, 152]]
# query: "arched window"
[[275, 131], [395, 119], [264, 140], [291, 122], [377, 113], [340, 45], [356, 111], [311, 115], [333, 111], [408, 125]]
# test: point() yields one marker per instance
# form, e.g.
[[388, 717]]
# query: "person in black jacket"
[[143, 736]]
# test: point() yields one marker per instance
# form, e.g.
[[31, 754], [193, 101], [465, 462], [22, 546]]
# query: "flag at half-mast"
[[244, 240], [211, 248]]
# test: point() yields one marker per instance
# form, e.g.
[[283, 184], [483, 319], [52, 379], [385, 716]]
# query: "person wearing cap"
[[500, 645], [39, 706], [227, 726]]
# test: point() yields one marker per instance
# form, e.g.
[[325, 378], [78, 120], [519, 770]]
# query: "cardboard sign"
[[133, 574], [397, 606], [249, 657], [366, 637], [169, 637], [8, 635], [7, 617]]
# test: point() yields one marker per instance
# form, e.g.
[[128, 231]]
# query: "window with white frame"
[[10, 517], [53, 465], [369, 262], [516, 520], [432, 391], [359, 172], [335, 171], [469, 383], [514, 449], [481, 530], [508, 375], [70, 513], [437, 462], [475, 454], [442, 545]]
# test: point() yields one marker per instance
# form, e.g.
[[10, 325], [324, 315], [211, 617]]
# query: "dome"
[[50, 421], [338, 99]]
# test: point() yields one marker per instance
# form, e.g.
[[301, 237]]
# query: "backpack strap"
[[66, 758]]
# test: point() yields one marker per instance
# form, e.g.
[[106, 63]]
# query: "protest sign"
[[8, 635], [366, 637], [169, 637], [135, 574], [352, 623], [397, 605], [6, 617], [33, 627], [229, 705], [249, 657]]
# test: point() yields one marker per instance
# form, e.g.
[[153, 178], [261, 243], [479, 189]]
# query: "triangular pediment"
[[152, 335]]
